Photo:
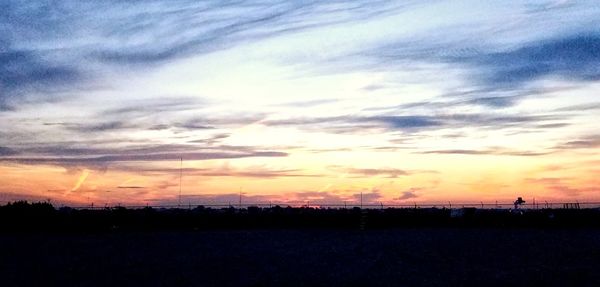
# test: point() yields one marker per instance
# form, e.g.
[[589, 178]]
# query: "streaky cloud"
[[225, 171], [581, 107], [154, 105], [99, 160], [561, 186], [415, 123], [371, 172], [4, 151], [496, 151], [574, 57], [409, 194], [585, 142], [25, 72]]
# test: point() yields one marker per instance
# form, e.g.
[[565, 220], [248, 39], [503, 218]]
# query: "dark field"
[[304, 257]]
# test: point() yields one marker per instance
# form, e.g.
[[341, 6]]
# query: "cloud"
[[498, 64], [357, 124], [495, 102], [46, 47], [336, 197], [4, 151], [131, 34], [500, 120], [216, 199], [314, 198], [371, 172], [586, 142], [225, 171], [409, 194], [307, 104], [25, 72], [405, 122], [213, 25], [581, 107], [84, 175], [114, 152], [100, 127], [220, 121], [118, 147], [133, 121], [399, 122], [560, 185], [574, 57], [145, 107], [369, 196], [488, 98], [142, 157], [318, 197], [214, 139], [493, 151], [416, 123], [109, 147]]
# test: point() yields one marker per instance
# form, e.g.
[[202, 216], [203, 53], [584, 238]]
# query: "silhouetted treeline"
[[24, 216]]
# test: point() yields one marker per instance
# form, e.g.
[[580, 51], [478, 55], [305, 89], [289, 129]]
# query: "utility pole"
[[240, 202], [361, 200], [180, 176]]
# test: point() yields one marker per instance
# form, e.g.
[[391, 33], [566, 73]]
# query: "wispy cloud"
[[144, 107], [409, 194], [508, 67], [4, 151], [215, 25], [84, 175], [368, 196], [574, 57], [561, 186], [414, 123], [585, 142], [25, 72], [581, 107], [372, 172], [95, 157], [492, 151], [225, 171], [142, 157], [130, 187], [133, 34]]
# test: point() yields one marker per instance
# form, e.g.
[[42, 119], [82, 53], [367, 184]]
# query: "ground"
[[391, 257]]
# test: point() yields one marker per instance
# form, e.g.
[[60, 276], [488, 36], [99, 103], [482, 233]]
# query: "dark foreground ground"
[[304, 257]]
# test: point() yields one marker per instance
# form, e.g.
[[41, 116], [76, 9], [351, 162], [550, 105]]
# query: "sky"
[[127, 102]]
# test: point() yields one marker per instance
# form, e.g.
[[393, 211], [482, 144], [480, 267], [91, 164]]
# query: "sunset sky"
[[293, 101]]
